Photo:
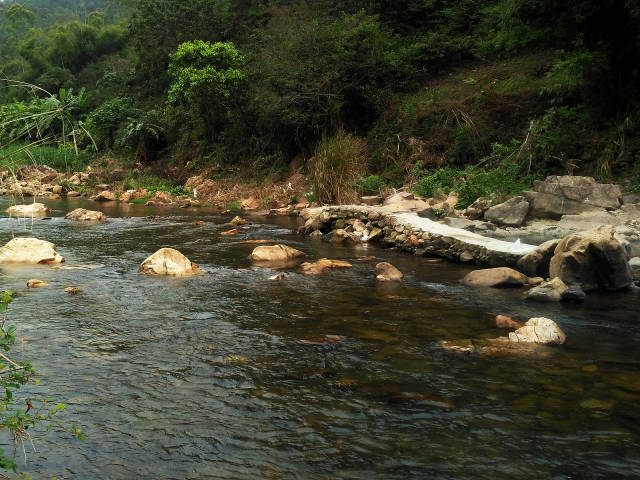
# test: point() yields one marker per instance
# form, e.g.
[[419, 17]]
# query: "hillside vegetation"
[[477, 95]]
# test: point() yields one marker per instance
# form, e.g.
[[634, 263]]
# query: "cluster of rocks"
[[526, 339], [39, 181]]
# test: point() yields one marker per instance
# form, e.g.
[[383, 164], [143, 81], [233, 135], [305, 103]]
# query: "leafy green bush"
[[151, 183], [371, 185], [442, 180], [60, 158], [502, 177], [337, 163], [499, 176]]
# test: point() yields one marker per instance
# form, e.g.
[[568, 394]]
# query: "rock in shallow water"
[[36, 210], [539, 330], [34, 283], [30, 251], [168, 261], [550, 291], [82, 215], [388, 273], [275, 253], [322, 265], [495, 277], [595, 260]]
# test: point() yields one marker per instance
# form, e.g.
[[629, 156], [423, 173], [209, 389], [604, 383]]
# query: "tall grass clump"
[[335, 167], [60, 158]]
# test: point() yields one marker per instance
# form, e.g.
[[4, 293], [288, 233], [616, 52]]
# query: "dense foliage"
[[426, 83]]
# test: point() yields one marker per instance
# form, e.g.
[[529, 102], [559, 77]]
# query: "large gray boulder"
[[595, 260], [510, 213], [562, 195], [536, 262]]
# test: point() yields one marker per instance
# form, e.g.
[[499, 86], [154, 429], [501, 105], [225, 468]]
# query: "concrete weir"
[[409, 232]]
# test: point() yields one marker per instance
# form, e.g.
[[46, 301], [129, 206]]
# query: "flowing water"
[[206, 377]]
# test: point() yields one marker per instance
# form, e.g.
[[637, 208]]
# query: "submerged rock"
[[275, 253], [30, 251], [36, 210], [82, 215], [228, 233], [72, 290], [322, 265], [388, 273], [168, 261], [496, 277], [34, 283], [503, 321]]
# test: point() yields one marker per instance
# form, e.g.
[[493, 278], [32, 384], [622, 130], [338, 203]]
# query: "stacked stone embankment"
[[412, 233]]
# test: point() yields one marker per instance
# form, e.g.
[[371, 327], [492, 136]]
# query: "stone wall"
[[411, 233]]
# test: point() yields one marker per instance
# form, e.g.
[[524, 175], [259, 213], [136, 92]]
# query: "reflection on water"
[[206, 377]]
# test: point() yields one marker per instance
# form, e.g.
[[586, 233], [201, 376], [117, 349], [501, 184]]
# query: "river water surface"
[[206, 377]]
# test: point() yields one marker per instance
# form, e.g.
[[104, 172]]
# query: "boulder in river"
[[538, 330], [37, 210], [30, 251], [510, 213], [160, 198], [238, 221], [549, 291], [595, 260], [388, 273], [168, 261], [104, 196], [35, 283], [83, 215], [536, 262], [322, 265], [496, 277], [275, 253]]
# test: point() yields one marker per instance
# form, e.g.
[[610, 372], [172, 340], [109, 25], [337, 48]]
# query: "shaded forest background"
[[425, 91]]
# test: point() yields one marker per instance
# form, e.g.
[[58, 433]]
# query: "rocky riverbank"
[[594, 245]]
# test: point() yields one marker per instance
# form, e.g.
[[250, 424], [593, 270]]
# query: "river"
[[206, 377]]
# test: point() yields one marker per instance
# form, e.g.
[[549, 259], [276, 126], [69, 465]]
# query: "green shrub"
[[61, 158], [371, 185], [139, 181], [505, 179], [442, 180], [337, 163]]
